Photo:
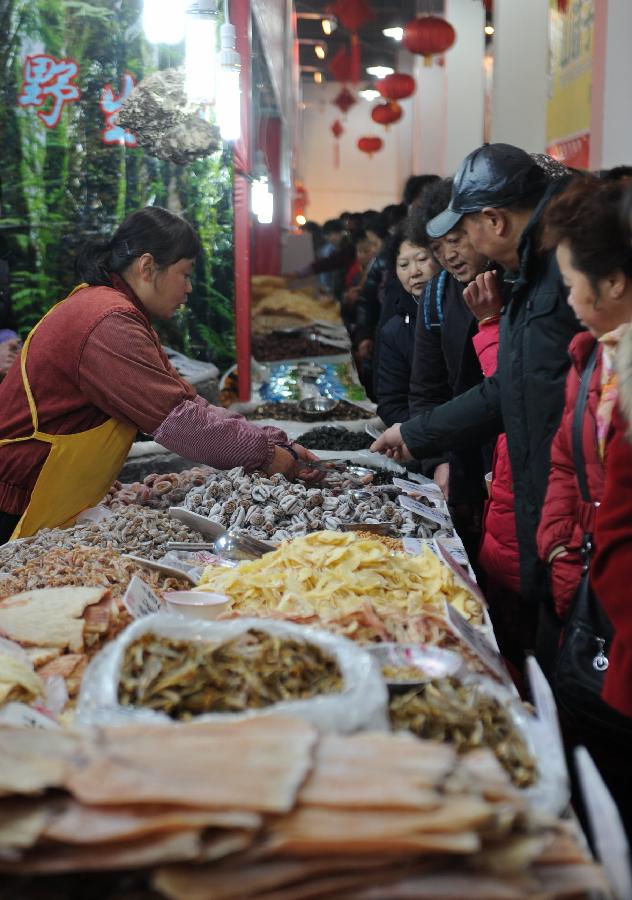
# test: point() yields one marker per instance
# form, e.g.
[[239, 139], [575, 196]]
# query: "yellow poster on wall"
[[570, 80]]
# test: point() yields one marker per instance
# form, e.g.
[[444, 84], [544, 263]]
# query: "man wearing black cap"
[[499, 196]]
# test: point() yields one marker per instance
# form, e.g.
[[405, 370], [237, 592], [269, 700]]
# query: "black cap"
[[493, 175]]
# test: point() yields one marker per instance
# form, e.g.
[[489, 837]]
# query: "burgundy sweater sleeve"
[[214, 436], [123, 372]]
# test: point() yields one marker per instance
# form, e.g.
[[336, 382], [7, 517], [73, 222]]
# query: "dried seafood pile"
[[134, 529], [330, 438], [270, 348], [288, 411], [157, 491], [264, 807], [254, 670], [464, 715], [84, 566], [272, 508], [329, 573]]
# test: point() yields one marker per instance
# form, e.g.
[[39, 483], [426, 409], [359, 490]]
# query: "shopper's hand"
[[441, 478], [364, 349], [392, 444], [8, 352], [483, 296]]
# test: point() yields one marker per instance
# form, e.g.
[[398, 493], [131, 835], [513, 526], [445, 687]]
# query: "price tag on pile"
[[426, 512], [426, 488], [26, 717], [458, 571], [477, 641], [140, 600]]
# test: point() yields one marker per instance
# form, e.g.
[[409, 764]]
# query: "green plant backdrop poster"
[[61, 181]]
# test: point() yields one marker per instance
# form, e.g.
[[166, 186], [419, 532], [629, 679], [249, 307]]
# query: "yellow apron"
[[79, 468]]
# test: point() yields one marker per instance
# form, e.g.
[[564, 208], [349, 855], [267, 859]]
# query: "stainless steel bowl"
[[315, 407]]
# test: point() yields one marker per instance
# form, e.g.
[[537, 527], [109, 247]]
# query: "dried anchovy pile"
[[188, 678], [157, 491], [460, 714], [272, 508], [328, 438], [134, 529], [286, 411], [84, 566], [269, 348]]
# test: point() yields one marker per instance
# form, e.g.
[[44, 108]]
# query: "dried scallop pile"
[[272, 508]]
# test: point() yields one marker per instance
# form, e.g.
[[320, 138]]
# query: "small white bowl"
[[196, 604]]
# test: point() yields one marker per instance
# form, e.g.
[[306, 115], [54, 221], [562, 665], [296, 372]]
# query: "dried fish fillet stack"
[[254, 670]]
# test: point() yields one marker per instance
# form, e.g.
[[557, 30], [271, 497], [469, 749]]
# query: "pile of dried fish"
[[272, 508], [256, 669], [330, 573], [84, 566], [287, 411], [134, 529], [447, 710], [157, 491], [329, 438]]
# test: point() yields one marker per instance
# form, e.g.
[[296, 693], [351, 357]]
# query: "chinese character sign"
[[46, 77], [110, 104]]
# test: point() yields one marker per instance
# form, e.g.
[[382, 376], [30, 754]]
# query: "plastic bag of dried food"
[[164, 668]]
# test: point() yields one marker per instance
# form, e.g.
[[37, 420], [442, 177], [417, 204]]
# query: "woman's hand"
[[483, 296], [441, 478]]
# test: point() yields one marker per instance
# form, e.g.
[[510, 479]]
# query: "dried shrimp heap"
[[464, 715], [256, 669], [84, 566], [326, 573]]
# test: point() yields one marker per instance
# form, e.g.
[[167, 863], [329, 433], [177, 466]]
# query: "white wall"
[[617, 127], [465, 88], [520, 73]]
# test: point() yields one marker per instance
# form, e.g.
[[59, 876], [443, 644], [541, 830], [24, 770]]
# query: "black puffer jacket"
[[397, 343], [367, 312], [526, 393], [445, 364]]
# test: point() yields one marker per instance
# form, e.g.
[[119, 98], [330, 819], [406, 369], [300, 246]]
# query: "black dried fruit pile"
[[328, 438], [268, 348], [285, 411]]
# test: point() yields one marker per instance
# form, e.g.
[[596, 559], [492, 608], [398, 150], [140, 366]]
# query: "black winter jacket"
[[368, 307], [445, 364], [397, 343], [526, 392]]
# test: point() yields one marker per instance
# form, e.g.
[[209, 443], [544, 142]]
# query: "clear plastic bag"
[[360, 705]]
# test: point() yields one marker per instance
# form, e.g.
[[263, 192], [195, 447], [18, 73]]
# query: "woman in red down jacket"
[[596, 264]]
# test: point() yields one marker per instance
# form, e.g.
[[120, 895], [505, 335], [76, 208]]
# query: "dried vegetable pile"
[[329, 573], [466, 716], [272, 508], [265, 808], [330, 438], [252, 671], [157, 491]]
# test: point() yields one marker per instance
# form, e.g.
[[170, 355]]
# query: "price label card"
[[479, 644], [459, 572], [428, 488], [25, 717], [140, 600], [427, 512]]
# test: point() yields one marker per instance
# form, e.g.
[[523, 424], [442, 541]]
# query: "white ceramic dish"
[[195, 604]]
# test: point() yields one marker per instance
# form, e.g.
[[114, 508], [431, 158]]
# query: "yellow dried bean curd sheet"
[[329, 572]]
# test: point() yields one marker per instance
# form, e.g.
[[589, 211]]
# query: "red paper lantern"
[[340, 65], [344, 100], [428, 35], [352, 14], [396, 86], [370, 145], [387, 113]]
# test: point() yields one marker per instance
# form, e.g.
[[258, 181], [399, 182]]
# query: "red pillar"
[[240, 18]]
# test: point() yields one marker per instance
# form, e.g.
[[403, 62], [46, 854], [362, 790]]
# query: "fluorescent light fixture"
[[328, 26], [318, 77], [369, 94], [380, 71], [489, 29], [163, 21], [320, 51], [228, 95], [200, 52], [396, 33]]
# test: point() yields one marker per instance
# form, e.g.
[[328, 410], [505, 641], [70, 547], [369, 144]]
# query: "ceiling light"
[[318, 77], [328, 25], [320, 51], [489, 29], [396, 33], [380, 71], [163, 21], [199, 55], [300, 220], [369, 94], [228, 98]]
